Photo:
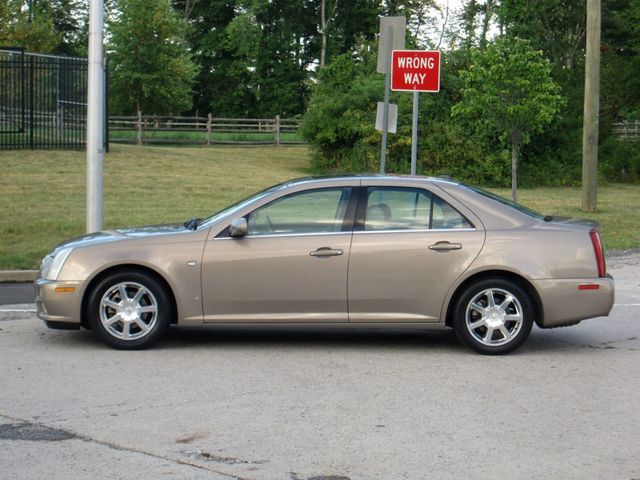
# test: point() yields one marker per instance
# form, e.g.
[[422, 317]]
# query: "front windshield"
[[239, 205], [509, 203]]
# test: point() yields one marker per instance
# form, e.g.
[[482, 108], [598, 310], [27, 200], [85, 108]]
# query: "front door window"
[[308, 212]]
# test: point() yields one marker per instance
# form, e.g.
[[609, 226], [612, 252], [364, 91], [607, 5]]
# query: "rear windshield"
[[509, 203]]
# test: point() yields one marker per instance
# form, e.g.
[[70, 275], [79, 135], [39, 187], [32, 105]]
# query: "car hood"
[[122, 234]]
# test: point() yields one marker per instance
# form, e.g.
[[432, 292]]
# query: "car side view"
[[353, 252]]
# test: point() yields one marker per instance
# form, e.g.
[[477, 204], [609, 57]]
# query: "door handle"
[[445, 246], [326, 252]]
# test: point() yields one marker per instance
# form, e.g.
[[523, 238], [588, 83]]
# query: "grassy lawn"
[[201, 137], [618, 211], [42, 193]]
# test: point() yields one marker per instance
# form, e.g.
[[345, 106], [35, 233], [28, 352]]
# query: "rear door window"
[[394, 208]]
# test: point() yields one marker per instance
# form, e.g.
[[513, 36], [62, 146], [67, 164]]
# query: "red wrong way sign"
[[415, 70]]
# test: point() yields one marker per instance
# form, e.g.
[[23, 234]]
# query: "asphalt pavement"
[[12, 293], [231, 403]]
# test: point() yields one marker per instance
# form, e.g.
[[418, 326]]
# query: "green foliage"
[[33, 29], [151, 68], [620, 160], [332, 122], [340, 119], [508, 89]]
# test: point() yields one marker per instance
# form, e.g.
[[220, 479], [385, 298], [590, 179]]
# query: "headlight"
[[52, 264]]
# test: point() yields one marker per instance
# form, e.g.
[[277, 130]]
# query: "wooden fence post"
[[209, 129], [277, 129], [139, 129]]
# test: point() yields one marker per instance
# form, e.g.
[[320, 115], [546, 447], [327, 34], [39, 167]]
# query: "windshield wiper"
[[192, 224], [547, 218]]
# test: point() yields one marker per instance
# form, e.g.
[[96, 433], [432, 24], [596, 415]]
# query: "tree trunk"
[[488, 11], [323, 26], [516, 144]]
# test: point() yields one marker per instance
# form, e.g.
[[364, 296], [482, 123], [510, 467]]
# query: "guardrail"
[[148, 129]]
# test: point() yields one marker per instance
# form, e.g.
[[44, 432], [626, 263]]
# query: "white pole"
[[95, 117], [414, 132]]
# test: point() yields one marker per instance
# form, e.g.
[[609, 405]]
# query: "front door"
[[291, 266]]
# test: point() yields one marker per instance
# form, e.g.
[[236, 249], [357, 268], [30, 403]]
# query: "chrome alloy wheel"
[[494, 317], [128, 311]]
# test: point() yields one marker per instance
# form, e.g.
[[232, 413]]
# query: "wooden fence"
[[209, 130], [627, 130]]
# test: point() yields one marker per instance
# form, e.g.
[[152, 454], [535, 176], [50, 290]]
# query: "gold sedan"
[[352, 252]]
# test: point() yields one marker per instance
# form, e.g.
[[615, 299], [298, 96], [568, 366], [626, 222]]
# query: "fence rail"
[[148, 129], [627, 130]]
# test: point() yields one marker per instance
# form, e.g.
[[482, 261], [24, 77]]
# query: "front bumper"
[[58, 303], [564, 303]]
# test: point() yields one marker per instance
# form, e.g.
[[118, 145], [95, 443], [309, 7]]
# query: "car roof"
[[370, 176]]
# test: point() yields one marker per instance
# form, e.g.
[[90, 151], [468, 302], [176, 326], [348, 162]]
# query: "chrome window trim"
[[407, 230], [281, 235]]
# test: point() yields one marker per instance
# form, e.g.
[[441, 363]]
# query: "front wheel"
[[493, 316], [129, 310]]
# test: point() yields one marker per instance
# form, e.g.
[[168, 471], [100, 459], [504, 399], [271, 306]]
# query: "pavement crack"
[[612, 345], [22, 429]]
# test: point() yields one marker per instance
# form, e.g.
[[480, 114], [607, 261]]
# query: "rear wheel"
[[493, 316], [129, 310]]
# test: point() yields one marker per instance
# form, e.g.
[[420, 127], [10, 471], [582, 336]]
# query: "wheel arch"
[[124, 268], [519, 280]]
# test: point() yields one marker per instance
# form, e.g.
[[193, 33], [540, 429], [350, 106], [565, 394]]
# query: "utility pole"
[[591, 109], [95, 117]]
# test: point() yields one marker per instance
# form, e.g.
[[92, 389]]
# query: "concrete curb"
[[7, 276]]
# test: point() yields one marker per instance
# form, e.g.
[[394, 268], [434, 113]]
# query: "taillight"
[[597, 249]]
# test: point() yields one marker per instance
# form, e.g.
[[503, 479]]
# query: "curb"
[[14, 276]]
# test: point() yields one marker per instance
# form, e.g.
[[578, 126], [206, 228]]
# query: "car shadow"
[[307, 338], [541, 342]]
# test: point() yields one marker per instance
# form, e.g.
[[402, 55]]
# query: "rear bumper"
[[564, 303], [61, 307]]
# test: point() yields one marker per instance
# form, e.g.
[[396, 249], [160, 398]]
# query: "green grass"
[[42, 193], [201, 137], [618, 209]]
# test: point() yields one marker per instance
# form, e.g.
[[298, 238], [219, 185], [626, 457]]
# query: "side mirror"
[[238, 228]]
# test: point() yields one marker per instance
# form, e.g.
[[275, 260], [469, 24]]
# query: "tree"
[[32, 28], [509, 88], [151, 67], [285, 55]]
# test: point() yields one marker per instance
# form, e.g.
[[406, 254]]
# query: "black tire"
[[493, 327], [135, 322]]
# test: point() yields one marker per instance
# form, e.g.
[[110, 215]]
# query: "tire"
[[129, 310], [493, 316]]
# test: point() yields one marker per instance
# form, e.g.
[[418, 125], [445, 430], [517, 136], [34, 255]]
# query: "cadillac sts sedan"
[[353, 252]]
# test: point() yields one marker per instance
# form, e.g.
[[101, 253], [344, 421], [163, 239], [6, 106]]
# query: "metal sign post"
[[414, 132], [392, 30]]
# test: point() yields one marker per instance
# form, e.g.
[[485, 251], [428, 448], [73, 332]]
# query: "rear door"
[[409, 246]]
